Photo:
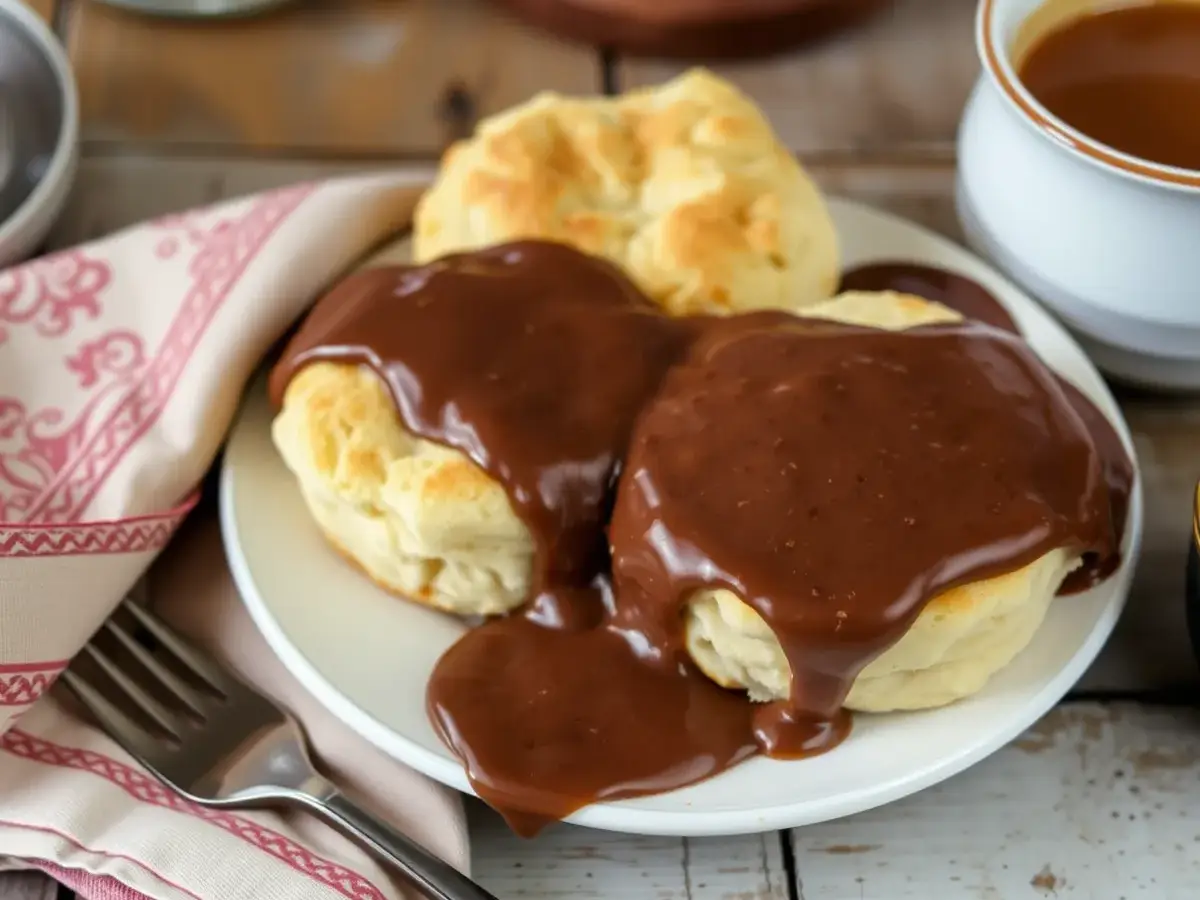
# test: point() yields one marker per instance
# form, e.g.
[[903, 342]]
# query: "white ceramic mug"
[[1109, 242]]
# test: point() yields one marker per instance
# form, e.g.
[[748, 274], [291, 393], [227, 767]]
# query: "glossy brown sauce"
[[531, 360], [829, 439], [958, 292], [834, 477], [974, 301], [1127, 77]]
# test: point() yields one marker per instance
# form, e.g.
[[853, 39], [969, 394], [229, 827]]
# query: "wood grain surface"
[[383, 77], [338, 77], [44, 8], [1096, 802], [896, 86], [569, 862]]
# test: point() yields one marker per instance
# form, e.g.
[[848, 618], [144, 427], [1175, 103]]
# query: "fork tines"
[[181, 677]]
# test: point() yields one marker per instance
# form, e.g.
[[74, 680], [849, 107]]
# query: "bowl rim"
[[997, 64], [63, 158]]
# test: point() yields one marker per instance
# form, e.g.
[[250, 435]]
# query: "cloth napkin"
[[121, 366]]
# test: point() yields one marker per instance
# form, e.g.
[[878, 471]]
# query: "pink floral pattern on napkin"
[[67, 453], [121, 366]]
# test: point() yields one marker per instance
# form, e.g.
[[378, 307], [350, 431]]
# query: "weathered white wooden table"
[[1100, 800]]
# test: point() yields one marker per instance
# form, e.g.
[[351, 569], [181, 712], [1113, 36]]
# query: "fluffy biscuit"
[[420, 519], [960, 639], [685, 186]]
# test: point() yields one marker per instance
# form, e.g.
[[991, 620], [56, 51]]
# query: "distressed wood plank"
[[1149, 650], [341, 77], [45, 9], [27, 886], [566, 861], [112, 192], [1096, 801], [120, 189], [898, 82]]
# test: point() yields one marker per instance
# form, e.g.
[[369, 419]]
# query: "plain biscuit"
[[420, 519], [685, 186]]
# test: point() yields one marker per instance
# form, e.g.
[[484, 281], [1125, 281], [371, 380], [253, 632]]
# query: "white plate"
[[367, 656]]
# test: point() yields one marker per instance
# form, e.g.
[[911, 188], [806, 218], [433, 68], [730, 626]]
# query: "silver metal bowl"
[[39, 130]]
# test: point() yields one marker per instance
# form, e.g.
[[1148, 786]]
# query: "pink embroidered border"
[[138, 534], [68, 497], [23, 683], [79, 481], [150, 791]]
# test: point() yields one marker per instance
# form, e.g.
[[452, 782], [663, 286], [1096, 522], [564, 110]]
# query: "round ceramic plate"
[[367, 655]]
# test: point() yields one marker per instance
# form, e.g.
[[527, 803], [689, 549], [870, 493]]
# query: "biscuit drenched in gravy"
[[684, 186], [959, 640], [422, 520]]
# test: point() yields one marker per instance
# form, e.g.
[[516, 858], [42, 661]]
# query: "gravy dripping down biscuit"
[[536, 364]]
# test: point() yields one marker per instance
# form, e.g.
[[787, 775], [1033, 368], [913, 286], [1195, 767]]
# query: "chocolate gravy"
[[532, 359], [1128, 77], [974, 301], [835, 477], [947, 288]]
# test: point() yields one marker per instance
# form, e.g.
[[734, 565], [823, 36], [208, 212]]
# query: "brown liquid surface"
[[974, 301], [533, 360], [835, 477], [826, 519], [1127, 77]]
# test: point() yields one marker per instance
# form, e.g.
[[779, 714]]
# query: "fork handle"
[[434, 877]]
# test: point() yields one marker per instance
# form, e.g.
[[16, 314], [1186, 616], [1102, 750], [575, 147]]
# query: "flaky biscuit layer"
[[685, 186]]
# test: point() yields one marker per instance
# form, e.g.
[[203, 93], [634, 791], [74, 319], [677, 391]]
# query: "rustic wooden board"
[[1094, 802], [113, 192], [45, 9], [1150, 649], [27, 886], [376, 77], [566, 861], [897, 84]]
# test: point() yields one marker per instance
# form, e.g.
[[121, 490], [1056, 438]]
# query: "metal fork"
[[218, 742]]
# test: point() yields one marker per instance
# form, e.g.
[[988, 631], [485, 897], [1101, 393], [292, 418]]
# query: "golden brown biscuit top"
[[685, 186]]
